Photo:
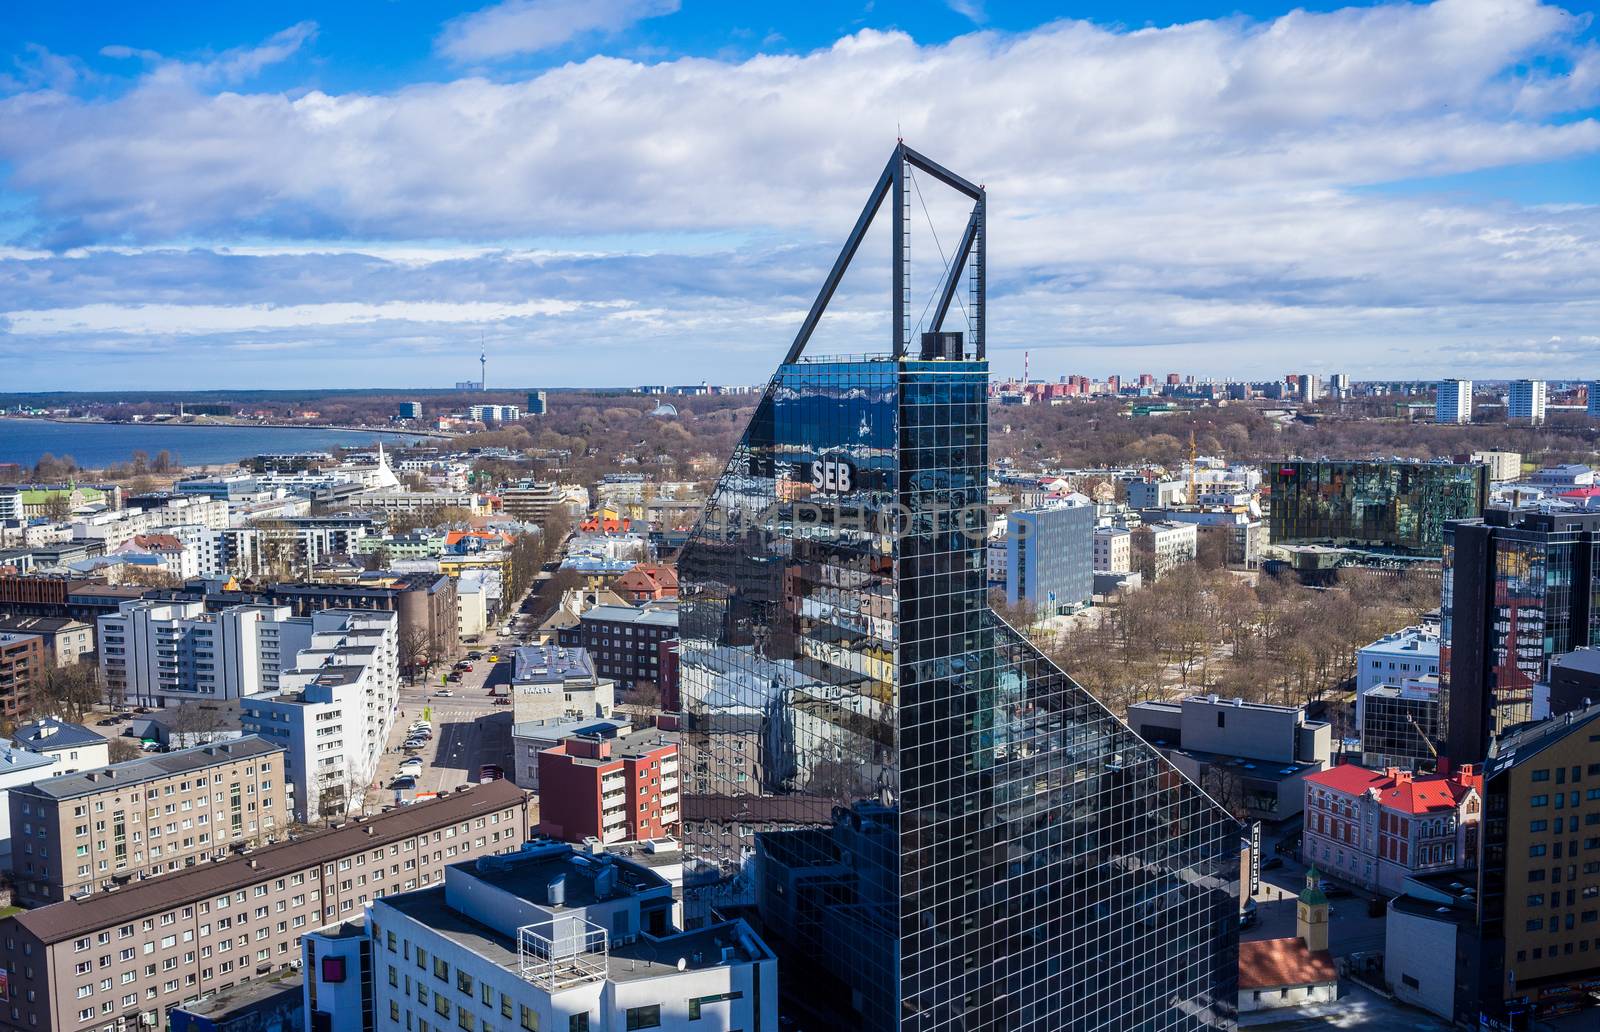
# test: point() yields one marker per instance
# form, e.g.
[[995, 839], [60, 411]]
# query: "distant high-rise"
[[1454, 402], [943, 831], [1594, 398], [1306, 387], [1525, 401], [410, 410], [1338, 386], [537, 403]]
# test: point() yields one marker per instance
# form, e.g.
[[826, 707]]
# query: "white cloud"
[[1212, 190], [205, 319], [528, 26], [972, 10]]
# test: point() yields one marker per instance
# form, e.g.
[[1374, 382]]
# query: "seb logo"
[[836, 475]]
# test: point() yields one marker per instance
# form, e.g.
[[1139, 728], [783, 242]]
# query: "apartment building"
[[334, 710], [545, 939], [86, 832], [158, 653], [1113, 550], [1375, 828], [22, 667], [623, 639], [532, 500], [530, 738], [613, 789], [66, 641], [1160, 547], [1525, 401], [1453, 402], [124, 959], [117, 527], [73, 746]]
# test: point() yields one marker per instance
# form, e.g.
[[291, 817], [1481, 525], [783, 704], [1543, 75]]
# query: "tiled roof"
[[1276, 963], [1349, 778], [1402, 791]]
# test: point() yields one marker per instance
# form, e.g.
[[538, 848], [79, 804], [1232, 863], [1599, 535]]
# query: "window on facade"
[[644, 1017]]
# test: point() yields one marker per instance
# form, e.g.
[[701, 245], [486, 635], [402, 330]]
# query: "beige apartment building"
[[121, 960], [102, 828]]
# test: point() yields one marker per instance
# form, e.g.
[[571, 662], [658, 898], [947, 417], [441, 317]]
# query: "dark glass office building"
[[942, 831], [1519, 588], [1395, 506]]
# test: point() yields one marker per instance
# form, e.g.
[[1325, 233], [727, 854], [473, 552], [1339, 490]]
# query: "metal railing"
[[577, 954]]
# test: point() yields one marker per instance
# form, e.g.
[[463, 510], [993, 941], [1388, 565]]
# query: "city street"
[[469, 730]]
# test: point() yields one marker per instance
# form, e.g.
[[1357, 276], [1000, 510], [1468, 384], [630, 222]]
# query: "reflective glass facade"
[[1390, 505], [935, 828]]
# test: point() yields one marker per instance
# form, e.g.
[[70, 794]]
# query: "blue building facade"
[[1050, 557]]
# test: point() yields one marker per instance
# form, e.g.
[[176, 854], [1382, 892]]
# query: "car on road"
[[444, 693], [474, 655], [502, 700], [464, 667], [454, 677]]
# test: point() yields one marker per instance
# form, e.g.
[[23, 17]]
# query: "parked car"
[[107, 722], [404, 783], [411, 765], [1249, 915], [151, 746]]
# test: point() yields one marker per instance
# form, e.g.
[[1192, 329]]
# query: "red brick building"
[[647, 582], [612, 789], [22, 665]]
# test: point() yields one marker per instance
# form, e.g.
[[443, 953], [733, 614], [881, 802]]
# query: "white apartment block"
[[333, 710], [1503, 465], [1453, 403], [1113, 550], [160, 653], [546, 939], [1525, 400], [117, 527], [206, 548], [1166, 545], [418, 501]]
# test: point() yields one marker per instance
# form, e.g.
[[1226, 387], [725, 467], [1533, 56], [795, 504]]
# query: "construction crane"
[[1194, 461], [1424, 736]]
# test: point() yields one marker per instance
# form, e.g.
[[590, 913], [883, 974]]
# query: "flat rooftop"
[[152, 768], [550, 664]]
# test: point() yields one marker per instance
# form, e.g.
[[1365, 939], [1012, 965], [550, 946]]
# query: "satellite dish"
[[682, 963]]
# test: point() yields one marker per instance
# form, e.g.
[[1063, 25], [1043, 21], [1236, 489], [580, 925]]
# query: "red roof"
[[1278, 963], [1582, 492], [1401, 790], [159, 542]]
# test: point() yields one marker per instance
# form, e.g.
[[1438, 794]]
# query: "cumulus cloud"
[[515, 27], [1212, 193]]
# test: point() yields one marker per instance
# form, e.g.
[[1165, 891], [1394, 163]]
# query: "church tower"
[[1311, 914]]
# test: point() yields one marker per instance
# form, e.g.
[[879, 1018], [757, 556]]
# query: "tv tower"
[[483, 367]]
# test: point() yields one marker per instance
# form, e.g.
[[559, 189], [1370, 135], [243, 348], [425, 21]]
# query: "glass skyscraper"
[[935, 827], [1401, 506]]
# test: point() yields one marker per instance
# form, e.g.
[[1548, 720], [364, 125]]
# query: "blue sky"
[[619, 191]]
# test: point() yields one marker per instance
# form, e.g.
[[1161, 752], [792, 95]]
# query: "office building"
[[1156, 494], [622, 788], [23, 663], [532, 500], [1518, 590], [1572, 683], [557, 682], [1538, 933], [84, 833], [168, 940], [946, 831], [1373, 828], [1394, 658], [333, 709], [1402, 725], [1113, 550], [623, 640], [1251, 757], [409, 410], [538, 403], [1050, 557], [1162, 546], [1525, 401], [1453, 403], [547, 938], [1391, 505]]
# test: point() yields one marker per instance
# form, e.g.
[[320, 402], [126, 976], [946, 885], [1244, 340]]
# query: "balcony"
[[613, 818], [577, 955]]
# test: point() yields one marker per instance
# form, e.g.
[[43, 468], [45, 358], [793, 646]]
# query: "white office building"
[[333, 710], [1395, 658], [1525, 401], [1454, 402], [547, 938]]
